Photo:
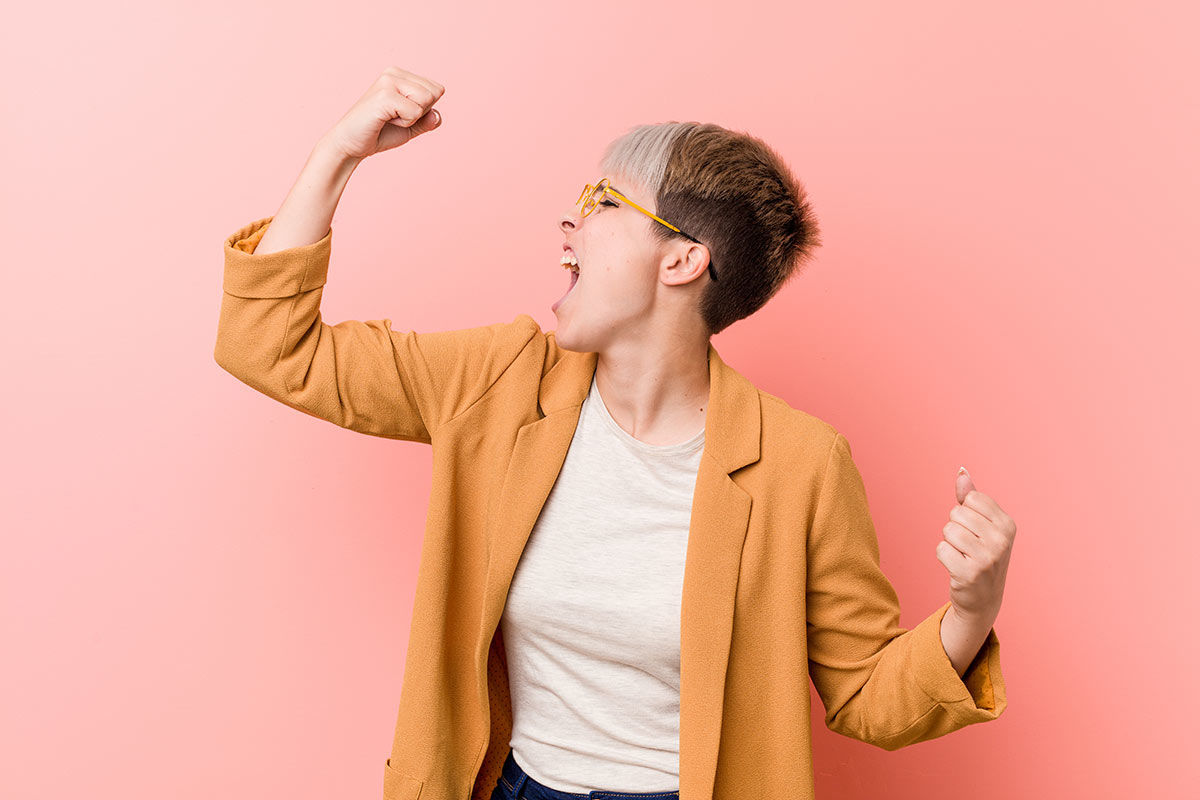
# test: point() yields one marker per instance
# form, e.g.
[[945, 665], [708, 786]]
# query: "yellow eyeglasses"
[[592, 195]]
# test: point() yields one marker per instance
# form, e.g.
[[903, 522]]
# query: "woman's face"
[[618, 280]]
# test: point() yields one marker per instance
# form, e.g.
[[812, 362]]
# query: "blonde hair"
[[731, 191]]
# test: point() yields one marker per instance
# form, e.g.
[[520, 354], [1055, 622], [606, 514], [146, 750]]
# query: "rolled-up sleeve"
[[880, 683], [359, 375]]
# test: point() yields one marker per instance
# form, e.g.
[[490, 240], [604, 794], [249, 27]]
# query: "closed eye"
[[609, 203]]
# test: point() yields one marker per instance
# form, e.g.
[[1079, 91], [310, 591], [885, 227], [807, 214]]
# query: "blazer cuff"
[[283, 273], [980, 689]]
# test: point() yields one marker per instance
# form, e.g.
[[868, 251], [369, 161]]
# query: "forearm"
[[307, 212], [961, 639]]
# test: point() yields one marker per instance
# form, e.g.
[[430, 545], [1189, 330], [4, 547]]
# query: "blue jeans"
[[515, 784]]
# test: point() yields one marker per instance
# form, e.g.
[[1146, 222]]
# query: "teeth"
[[569, 261]]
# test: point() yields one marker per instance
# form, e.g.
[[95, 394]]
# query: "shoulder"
[[534, 343], [782, 419], [521, 337], [797, 442]]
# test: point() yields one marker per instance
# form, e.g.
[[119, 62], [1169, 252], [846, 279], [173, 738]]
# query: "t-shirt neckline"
[[661, 449]]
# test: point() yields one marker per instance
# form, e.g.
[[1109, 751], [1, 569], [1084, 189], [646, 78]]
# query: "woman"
[[634, 559]]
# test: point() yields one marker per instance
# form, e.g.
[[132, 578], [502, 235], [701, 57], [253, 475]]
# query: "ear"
[[684, 262], [698, 258]]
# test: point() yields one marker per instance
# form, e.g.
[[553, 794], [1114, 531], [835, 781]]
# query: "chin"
[[564, 340], [567, 340]]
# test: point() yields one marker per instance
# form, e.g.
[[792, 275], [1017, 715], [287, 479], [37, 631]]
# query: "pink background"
[[207, 594]]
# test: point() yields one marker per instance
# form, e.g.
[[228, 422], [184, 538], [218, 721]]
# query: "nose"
[[569, 221]]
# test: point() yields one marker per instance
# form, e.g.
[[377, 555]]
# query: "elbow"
[[240, 362], [889, 743], [226, 356], [877, 733]]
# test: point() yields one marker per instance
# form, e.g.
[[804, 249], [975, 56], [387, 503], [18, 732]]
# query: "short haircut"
[[733, 193]]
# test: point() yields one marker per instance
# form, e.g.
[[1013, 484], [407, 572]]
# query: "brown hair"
[[733, 193]]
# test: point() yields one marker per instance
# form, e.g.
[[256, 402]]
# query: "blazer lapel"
[[719, 520], [720, 517]]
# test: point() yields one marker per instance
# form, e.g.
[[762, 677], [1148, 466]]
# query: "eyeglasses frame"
[[587, 208]]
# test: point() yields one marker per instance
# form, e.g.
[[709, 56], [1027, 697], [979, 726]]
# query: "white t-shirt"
[[591, 625]]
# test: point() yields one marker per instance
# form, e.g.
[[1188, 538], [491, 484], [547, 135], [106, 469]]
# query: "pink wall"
[[207, 594]]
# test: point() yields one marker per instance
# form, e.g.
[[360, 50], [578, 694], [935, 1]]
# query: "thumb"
[[428, 122], [963, 484]]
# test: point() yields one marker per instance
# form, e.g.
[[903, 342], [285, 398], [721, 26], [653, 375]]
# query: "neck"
[[657, 394]]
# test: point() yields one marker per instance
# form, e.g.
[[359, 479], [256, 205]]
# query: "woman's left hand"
[[976, 545]]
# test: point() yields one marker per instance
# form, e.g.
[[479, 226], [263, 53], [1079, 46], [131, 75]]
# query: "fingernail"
[[963, 470]]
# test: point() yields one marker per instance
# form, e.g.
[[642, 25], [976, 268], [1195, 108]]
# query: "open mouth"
[[574, 270]]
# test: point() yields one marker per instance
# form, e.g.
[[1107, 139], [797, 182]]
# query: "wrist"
[[971, 622], [962, 639], [326, 174], [330, 155]]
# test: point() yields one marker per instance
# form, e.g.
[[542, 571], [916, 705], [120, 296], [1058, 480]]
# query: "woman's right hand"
[[395, 109]]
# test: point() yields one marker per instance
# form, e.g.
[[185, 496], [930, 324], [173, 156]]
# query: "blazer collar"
[[717, 530], [732, 421]]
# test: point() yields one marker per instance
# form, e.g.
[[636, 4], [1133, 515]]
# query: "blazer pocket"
[[398, 786]]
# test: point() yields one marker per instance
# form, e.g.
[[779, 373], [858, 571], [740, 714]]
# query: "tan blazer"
[[782, 582]]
